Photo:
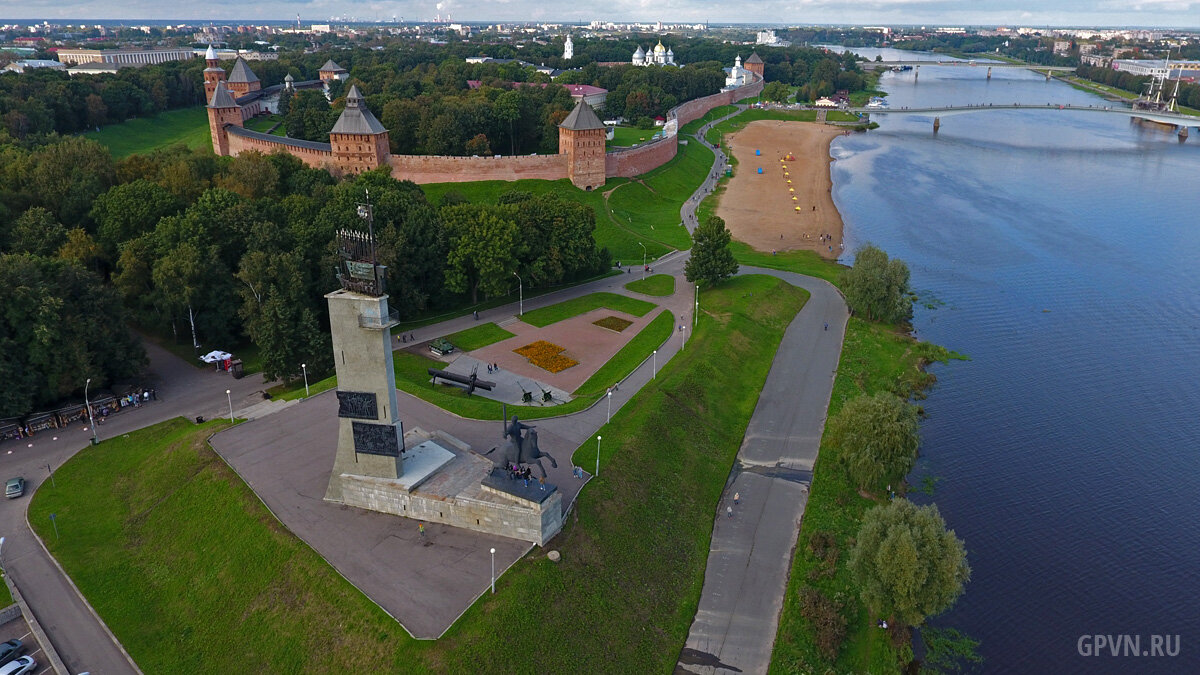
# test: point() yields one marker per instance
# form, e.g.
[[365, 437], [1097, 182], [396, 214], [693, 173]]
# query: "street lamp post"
[[521, 294], [493, 571], [696, 314], [654, 365], [229, 396], [609, 405], [643, 260], [597, 456], [91, 418], [304, 367]]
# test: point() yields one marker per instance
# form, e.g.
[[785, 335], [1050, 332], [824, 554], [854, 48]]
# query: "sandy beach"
[[758, 208]]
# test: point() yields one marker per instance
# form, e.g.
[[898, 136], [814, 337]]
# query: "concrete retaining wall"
[[9, 613], [48, 649]]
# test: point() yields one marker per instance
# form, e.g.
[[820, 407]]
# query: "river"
[[1058, 250]]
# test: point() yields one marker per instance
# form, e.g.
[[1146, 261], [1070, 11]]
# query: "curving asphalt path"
[[687, 213]]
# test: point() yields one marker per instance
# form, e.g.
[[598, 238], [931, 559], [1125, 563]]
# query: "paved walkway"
[[81, 639], [750, 555], [286, 460], [687, 213]]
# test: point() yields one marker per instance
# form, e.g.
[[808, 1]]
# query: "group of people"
[[525, 475], [411, 337], [493, 367]]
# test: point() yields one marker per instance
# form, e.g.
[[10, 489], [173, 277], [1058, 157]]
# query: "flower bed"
[[614, 323], [547, 356]]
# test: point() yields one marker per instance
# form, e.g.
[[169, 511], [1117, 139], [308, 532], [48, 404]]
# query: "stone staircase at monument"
[[264, 408]]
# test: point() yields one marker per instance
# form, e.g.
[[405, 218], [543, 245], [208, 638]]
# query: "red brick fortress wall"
[[695, 109], [317, 159], [629, 162], [442, 169]]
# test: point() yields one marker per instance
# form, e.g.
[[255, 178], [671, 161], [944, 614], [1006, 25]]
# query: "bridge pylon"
[[989, 72], [937, 124]]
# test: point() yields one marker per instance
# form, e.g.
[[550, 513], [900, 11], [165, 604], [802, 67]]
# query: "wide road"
[[82, 640]]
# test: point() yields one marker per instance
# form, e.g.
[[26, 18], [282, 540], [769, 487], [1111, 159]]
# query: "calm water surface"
[[1059, 251]]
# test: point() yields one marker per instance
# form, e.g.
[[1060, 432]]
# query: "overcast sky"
[[1178, 13]]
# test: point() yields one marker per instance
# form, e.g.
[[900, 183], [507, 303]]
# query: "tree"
[[877, 436], [478, 145], [776, 91], [907, 564], [130, 210], [877, 287], [481, 255], [37, 232], [59, 325], [712, 260]]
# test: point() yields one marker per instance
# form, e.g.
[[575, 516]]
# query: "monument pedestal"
[[461, 491]]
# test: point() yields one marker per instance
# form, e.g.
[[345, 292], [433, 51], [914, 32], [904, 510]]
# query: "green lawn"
[[627, 136], [193, 574], [187, 125], [576, 306], [655, 284], [618, 239], [716, 113], [6, 598], [294, 389], [802, 262], [136, 517], [649, 206], [264, 122], [635, 548], [478, 336], [633, 353]]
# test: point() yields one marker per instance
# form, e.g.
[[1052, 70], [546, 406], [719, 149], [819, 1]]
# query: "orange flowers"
[[547, 356]]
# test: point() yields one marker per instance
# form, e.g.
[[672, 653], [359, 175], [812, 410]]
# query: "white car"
[[19, 666]]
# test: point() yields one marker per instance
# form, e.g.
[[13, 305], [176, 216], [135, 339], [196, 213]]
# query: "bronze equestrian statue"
[[519, 450]]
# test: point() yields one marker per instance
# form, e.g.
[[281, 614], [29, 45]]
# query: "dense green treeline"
[[1189, 93], [218, 252]]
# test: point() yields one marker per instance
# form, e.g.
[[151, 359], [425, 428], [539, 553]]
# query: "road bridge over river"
[[1177, 120]]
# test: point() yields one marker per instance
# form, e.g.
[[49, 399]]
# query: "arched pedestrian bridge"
[[1180, 121]]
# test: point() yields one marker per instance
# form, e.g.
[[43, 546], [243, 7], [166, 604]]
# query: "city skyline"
[[1082, 13]]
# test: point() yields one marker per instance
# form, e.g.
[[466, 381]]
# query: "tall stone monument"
[[370, 433]]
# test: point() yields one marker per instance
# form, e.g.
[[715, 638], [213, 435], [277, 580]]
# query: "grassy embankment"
[[136, 521], [6, 598], [660, 285], [142, 135], [644, 209], [478, 337]]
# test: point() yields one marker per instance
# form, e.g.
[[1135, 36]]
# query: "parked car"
[[10, 650], [15, 487], [19, 666]]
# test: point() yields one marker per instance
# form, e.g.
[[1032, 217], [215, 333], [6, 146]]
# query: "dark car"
[[10, 650]]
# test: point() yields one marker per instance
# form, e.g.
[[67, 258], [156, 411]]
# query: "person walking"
[[421, 529], [729, 511], [737, 497]]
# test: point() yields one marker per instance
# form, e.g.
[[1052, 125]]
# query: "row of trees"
[[1189, 92], [221, 251]]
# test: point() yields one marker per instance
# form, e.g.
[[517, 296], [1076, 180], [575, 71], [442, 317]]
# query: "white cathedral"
[[568, 49], [660, 56]]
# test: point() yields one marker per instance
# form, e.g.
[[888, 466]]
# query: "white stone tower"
[[568, 48]]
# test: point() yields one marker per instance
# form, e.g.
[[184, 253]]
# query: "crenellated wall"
[[241, 142], [695, 109], [629, 162], [624, 162], [444, 169]]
